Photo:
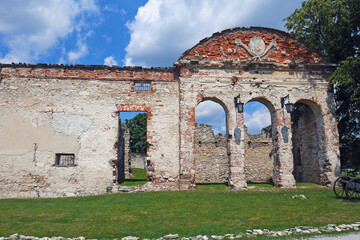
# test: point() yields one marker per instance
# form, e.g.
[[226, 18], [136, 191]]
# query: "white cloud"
[[114, 9], [110, 61], [162, 30], [29, 28], [211, 113], [256, 116], [257, 120], [82, 48], [81, 51]]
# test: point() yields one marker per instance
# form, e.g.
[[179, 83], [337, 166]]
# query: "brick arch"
[[222, 104], [214, 99], [264, 101], [309, 150]]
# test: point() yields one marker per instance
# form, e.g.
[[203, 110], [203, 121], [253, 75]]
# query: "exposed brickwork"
[[222, 46], [49, 109]]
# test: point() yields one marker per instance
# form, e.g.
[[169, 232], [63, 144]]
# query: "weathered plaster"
[[74, 109]]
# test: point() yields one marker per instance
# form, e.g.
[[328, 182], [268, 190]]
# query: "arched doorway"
[[211, 142], [308, 142], [260, 129]]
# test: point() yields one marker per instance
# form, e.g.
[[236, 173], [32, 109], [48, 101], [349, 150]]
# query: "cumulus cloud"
[[257, 119], [110, 61], [162, 30], [82, 48], [30, 27], [211, 113]]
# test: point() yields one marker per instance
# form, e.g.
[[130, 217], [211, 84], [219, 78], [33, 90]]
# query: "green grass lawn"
[[138, 178], [212, 209]]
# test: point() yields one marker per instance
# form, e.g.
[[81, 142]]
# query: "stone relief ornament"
[[256, 47]]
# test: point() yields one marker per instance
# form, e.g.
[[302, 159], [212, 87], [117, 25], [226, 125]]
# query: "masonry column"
[[283, 156], [188, 102], [237, 150], [331, 166]]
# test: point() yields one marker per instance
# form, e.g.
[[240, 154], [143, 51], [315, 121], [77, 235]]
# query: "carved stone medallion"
[[256, 47]]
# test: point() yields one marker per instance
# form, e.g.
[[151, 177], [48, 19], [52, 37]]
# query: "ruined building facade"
[[212, 159], [59, 124]]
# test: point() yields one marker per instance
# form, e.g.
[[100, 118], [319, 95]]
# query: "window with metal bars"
[[142, 86], [65, 160]]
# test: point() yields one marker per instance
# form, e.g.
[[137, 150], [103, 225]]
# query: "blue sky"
[[149, 33]]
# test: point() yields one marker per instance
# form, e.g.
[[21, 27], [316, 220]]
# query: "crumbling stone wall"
[[47, 110], [212, 162], [138, 160], [259, 163], [259, 64], [125, 157], [307, 149], [55, 109]]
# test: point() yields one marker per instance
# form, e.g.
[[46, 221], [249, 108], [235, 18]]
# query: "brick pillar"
[[187, 139], [237, 151], [283, 156], [330, 167]]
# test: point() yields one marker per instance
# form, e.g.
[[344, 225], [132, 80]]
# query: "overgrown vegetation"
[[333, 27], [137, 127], [210, 210]]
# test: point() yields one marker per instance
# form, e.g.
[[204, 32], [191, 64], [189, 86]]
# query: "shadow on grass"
[[138, 178]]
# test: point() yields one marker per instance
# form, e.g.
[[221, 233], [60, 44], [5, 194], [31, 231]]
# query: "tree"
[[333, 27], [137, 127], [347, 81]]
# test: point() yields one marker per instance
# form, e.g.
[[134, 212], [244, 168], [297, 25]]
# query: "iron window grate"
[[65, 160], [142, 86]]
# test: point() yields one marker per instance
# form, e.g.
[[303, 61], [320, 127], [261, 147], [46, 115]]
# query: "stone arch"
[[308, 140], [263, 145], [222, 104], [212, 163]]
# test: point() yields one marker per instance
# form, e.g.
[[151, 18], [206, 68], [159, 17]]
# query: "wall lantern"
[[289, 106], [238, 105]]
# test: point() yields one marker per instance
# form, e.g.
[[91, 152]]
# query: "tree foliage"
[[138, 128], [333, 27], [347, 81]]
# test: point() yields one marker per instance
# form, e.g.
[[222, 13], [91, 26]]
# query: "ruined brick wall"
[[54, 109], [306, 146], [259, 164], [211, 159], [228, 64], [47, 110]]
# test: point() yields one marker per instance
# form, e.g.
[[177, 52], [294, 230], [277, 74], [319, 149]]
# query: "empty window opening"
[[211, 155], [132, 148], [142, 86], [65, 160], [259, 163]]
